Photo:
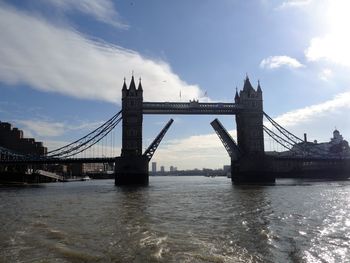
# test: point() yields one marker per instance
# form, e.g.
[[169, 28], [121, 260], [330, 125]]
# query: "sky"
[[62, 65]]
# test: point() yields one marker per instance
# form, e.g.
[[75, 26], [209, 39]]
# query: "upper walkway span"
[[192, 107]]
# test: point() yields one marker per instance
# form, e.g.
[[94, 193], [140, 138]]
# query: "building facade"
[[12, 139], [154, 167]]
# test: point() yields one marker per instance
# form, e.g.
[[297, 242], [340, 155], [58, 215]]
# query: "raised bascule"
[[250, 163]]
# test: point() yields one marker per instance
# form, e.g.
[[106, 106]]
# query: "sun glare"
[[338, 17], [334, 45]]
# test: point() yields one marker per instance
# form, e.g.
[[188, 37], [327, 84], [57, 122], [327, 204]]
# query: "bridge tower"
[[132, 100], [250, 134], [132, 166], [250, 137]]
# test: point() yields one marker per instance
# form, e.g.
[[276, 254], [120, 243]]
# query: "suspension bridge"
[[250, 163]]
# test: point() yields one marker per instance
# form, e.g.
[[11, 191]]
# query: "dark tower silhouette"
[[132, 167], [132, 100], [250, 137]]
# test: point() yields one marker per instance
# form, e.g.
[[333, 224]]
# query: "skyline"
[[62, 65]]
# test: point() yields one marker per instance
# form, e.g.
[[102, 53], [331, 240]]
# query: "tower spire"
[[132, 85], [124, 85], [140, 85], [236, 96], [259, 88], [247, 85]]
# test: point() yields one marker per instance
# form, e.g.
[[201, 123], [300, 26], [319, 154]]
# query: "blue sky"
[[62, 64]]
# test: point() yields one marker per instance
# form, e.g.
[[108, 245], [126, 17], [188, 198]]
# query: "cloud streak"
[[41, 128], [294, 4], [274, 62], [102, 10], [46, 129], [56, 59], [340, 103], [326, 74]]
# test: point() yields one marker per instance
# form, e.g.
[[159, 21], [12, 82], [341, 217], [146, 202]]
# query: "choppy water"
[[176, 219]]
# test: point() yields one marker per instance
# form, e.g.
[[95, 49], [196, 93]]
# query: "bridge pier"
[[131, 170], [252, 170]]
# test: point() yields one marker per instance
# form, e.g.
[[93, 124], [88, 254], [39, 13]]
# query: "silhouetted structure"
[[249, 162], [252, 165], [132, 167], [12, 138]]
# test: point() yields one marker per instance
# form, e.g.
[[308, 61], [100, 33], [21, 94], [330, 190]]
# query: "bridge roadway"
[[59, 160], [113, 159], [192, 107], [309, 158]]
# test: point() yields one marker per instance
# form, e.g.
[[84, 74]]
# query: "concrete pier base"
[[131, 170], [252, 170]]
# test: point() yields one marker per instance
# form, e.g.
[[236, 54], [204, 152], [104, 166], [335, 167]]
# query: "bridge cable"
[[104, 127], [86, 136], [85, 145]]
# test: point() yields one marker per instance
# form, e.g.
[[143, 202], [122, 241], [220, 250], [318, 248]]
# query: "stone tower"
[[250, 135], [132, 100], [132, 166]]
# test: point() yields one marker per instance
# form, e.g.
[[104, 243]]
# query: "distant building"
[[154, 167], [336, 146], [162, 169], [78, 169], [171, 168], [12, 139]]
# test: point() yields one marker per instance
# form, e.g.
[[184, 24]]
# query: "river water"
[[176, 219]]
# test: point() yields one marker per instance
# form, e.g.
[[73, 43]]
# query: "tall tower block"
[[132, 167]]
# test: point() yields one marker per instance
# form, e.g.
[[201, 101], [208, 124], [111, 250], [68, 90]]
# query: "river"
[[176, 219]]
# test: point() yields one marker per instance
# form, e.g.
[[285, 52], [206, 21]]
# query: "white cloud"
[[102, 10], [333, 46], [198, 151], [274, 62], [54, 59], [41, 128], [294, 3], [340, 103], [320, 119], [326, 74]]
